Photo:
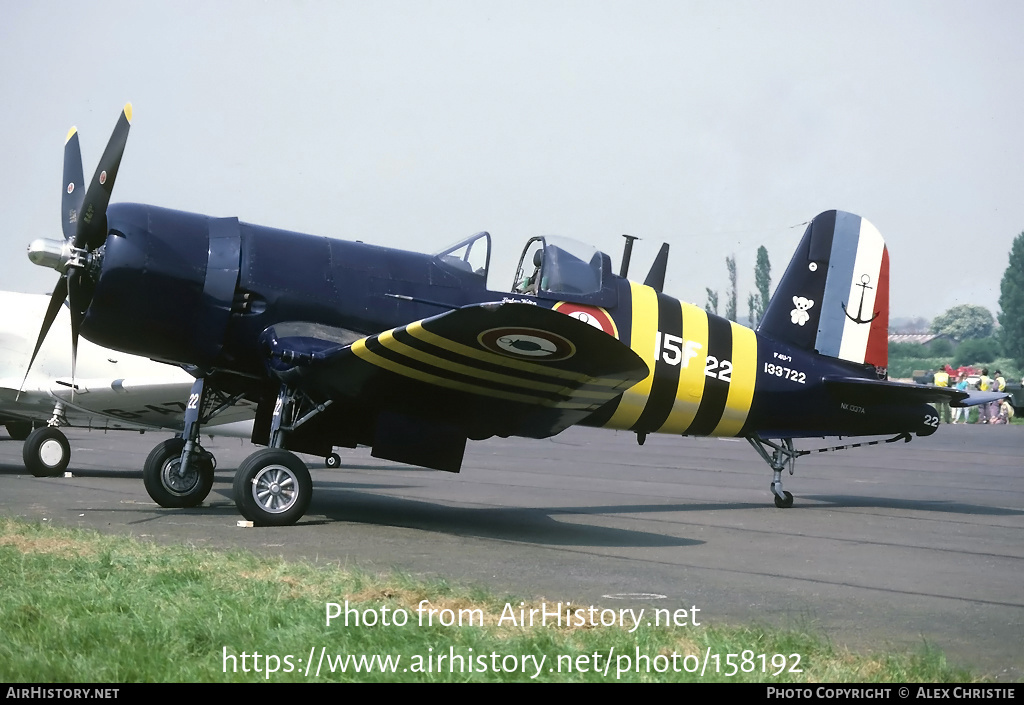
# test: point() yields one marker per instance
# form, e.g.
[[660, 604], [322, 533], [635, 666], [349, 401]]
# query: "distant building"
[[925, 340]]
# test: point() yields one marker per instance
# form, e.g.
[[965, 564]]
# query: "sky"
[[717, 127]]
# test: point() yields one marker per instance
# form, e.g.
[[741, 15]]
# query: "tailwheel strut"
[[782, 454]]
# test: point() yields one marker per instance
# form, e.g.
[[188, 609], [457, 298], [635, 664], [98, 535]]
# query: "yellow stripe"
[[691, 377], [645, 325], [361, 351], [741, 389], [418, 331], [388, 340]]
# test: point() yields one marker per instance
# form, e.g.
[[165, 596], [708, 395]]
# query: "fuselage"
[[200, 291]]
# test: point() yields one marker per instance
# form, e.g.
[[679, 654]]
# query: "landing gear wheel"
[[46, 452], [18, 430], [273, 488], [166, 486], [333, 461], [784, 503]]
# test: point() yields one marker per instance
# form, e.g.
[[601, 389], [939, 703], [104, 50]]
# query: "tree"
[[1011, 303], [965, 322], [730, 303], [712, 305], [758, 302]]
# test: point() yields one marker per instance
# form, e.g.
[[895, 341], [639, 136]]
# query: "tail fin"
[[834, 296]]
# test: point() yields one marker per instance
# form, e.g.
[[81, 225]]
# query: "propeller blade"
[[74, 191], [92, 224], [56, 301], [74, 278]]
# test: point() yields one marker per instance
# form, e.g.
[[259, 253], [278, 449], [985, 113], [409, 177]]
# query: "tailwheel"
[[273, 488], [46, 452], [783, 503], [167, 485], [332, 461]]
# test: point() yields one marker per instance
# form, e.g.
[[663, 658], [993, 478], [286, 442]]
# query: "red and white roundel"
[[591, 315], [527, 344]]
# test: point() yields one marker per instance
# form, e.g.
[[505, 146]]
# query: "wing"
[[490, 369], [869, 391]]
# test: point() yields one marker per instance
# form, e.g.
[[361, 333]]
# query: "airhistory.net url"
[[321, 663]]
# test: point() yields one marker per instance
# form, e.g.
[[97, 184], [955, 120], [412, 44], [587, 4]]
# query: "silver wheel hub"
[[175, 482], [51, 453], [275, 489]]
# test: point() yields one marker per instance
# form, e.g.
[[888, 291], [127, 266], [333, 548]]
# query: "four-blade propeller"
[[84, 222]]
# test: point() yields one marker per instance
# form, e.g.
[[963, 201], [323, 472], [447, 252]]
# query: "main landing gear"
[[46, 451], [273, 486], [179, 472]]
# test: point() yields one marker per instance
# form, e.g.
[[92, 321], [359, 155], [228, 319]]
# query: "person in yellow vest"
[[995, 409], [942, 380], [984, 383]]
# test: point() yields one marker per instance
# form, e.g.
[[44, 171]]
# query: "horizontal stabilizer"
[[870, 391]]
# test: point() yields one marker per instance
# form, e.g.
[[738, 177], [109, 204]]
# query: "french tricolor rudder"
[[834, 297]]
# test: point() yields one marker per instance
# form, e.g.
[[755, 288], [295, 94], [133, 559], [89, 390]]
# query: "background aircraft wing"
[[490, 369], [139, 404]]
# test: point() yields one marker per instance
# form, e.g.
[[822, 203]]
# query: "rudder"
[[834, 296]]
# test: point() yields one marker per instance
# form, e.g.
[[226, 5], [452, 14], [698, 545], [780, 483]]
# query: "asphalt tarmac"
[[886, 547]]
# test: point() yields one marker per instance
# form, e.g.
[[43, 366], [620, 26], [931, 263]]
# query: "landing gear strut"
[[273, 486], [782, 454], [46, 451], [179, 472]]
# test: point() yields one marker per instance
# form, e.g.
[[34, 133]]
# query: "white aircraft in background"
[[112, 390]]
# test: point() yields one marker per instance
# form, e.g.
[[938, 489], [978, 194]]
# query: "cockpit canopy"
[[471, 255], [560, 265]]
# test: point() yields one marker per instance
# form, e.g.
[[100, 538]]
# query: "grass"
[[83, 607]]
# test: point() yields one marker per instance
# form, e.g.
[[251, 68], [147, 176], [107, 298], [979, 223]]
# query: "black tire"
[[332, 461], [18, 430], [784, 503], [273, 488], [46, 452], [163, 483]]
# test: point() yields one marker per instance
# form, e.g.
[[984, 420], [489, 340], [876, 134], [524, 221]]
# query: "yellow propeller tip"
[[71, 133], [128, 111]]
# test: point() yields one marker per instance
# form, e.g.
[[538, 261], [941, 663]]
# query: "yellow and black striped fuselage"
[[703, 368]]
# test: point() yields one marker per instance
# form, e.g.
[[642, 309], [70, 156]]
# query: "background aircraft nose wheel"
[[46, 452], [273, 488], [333, 461], [167, 486]]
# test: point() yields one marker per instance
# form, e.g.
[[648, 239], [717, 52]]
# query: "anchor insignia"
[[865, 279]]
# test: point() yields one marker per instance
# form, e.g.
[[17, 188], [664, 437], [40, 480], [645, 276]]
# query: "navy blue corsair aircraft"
[[344, 343]]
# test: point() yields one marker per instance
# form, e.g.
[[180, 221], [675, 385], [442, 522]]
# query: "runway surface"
[[886, 547]]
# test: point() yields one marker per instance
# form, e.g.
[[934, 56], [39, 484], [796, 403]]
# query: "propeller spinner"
[[84, 222]]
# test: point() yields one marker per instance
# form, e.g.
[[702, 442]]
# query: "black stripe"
[[716, 391], [402, 335], [568, 394], [666, 375]]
